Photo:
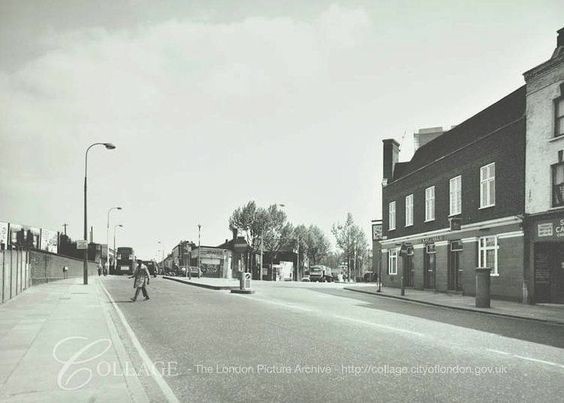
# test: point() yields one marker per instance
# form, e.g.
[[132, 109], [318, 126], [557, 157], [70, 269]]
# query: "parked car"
[[306, 278], [369, 277], [195, 271]]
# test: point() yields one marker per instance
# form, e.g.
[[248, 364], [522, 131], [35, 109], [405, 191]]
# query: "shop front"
[[547, 257], [214, 262]]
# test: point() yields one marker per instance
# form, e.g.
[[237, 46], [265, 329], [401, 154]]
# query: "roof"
[[496, 116]]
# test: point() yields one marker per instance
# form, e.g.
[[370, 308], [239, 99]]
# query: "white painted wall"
[[541, 145]]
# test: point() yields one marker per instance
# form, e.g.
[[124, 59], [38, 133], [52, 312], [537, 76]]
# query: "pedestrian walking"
[[142, 277], [99, 269]]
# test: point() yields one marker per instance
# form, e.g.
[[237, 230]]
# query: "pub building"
[[486, 193]]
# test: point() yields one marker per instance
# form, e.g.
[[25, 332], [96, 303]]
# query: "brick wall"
[[506, 148]]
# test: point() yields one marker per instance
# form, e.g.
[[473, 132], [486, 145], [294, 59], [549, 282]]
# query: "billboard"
[[3, 235], [49, 240]]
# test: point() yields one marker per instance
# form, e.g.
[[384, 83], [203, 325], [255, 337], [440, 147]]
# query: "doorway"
[[454, 271], [549, 272], [408, 274], [429, 267]]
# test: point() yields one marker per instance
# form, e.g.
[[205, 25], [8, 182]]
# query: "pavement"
[[58, 343], [322, 343], [541, 312]]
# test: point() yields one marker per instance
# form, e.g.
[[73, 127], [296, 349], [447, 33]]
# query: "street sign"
[[81, 244]]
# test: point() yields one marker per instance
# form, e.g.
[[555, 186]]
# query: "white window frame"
[[483, 248], [455, 195], [409, 210], [430, 204], [392, 262], [487, 182], [392, 216]]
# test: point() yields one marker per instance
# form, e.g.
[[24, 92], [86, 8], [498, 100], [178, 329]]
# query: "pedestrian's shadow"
[[124, 302]]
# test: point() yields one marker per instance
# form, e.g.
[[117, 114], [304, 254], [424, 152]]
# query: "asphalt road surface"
[[312, 343]]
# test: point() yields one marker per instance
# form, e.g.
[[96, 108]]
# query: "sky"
[[214, 103]]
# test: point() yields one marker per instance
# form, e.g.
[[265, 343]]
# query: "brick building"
[[475, 196]]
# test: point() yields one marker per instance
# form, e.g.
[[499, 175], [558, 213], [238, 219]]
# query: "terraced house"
[[460, 202]]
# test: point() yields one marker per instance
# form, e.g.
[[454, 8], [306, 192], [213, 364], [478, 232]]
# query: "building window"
[[487, 253], [409, 210], [558, 184], [392, 216], [392, 261], [559, 117], [430, 204], [456, 195], [487, 185]]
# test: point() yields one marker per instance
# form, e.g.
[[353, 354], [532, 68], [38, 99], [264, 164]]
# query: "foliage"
[[351, 240]]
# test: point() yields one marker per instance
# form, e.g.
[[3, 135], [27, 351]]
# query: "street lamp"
[[109, 146], [115, 253], [108, 237], [199, 249]]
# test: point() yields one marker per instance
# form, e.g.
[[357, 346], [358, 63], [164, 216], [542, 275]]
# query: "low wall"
[[14, 273], [47, 267]]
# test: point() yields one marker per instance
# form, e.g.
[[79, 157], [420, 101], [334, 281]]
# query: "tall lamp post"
[[115, 254], [109, 146], [199, 250], [108, 236]]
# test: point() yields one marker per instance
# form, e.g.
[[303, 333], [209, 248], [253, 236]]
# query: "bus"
[[125, 261]]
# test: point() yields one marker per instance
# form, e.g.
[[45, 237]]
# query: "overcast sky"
[[213, 103]]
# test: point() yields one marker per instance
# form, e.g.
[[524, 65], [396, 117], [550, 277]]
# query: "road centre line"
[[522, 357], [360, 321]]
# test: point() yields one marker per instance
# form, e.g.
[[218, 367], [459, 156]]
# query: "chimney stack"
[[559, 44], [234, 231], [391, 158]]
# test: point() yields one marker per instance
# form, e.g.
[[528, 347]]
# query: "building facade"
[[458, 205], [487, 193], [544, 202]]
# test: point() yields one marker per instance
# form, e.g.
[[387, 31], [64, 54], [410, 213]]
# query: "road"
[[312, 343]]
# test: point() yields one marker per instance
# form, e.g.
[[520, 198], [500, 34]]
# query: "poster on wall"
[[3, 235], [376, 230], [49, 240]]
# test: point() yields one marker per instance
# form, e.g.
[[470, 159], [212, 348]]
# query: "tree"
[[317, 244], [351, 240]]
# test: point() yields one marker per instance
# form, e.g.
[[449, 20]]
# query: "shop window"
[[392, 261], [558, 184], [392, 216], [409, 210], [487, 253], [430, 203], [487, 185], [559, 116]]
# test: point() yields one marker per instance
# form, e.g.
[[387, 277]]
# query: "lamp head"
[[109, 146]]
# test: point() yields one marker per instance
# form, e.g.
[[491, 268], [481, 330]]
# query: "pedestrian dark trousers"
[[145, 294]]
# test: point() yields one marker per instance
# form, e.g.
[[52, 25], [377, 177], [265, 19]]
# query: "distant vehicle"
[[152, 267], [320, 273], [195, 271], [369, 277], [306, 278], [125, 260]]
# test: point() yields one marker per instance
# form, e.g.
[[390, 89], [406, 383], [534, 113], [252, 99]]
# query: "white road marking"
[[522, 357], [363, 322], [167, 391]]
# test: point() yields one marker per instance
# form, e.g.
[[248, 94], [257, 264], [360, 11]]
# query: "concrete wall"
[[15, 273], [541, 145], [45, 267]]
